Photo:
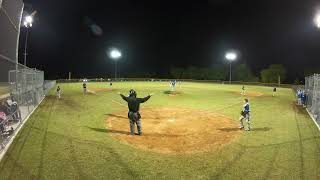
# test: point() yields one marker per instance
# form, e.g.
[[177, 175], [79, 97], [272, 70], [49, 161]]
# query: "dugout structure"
[[312, 89]]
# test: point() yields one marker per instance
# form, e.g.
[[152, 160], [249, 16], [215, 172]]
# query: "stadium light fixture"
[[28, 20], [317, 20], [115, 54], [231, 56]]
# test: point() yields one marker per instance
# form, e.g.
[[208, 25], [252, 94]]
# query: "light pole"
[[115, 55], [28, 20], [231, 56]]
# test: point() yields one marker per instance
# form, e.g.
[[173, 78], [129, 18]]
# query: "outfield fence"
[[179, 80], [312, 91]]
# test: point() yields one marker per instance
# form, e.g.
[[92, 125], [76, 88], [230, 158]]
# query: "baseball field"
[[189, 134], [4, 89]]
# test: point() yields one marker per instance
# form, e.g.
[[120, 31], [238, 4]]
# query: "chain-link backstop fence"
[[21, 88], [312, 90]]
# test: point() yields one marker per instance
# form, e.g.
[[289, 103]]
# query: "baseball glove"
[[242, 113]]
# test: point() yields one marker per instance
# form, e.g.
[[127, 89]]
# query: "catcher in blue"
[[134, 107], [245, 114]]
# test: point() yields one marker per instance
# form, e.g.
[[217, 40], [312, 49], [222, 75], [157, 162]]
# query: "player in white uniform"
[[243, 91], [84, 86], [59, 92]]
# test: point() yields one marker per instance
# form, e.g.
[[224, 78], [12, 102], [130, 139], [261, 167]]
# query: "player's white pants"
[[247, 120], [299, 101]]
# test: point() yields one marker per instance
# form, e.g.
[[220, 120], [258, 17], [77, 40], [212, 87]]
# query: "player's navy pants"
[[134, 118]]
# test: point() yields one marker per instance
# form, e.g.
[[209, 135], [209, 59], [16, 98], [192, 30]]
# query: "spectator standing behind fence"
[[13, 108], [3, 118], [304, 98], [299, 96]]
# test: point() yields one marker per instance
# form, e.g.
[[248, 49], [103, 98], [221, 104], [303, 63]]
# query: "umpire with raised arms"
[[134, 106]]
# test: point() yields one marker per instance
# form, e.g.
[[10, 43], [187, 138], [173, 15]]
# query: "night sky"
[[155, 35]]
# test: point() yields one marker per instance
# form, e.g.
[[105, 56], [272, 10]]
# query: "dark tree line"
[[240, 72]]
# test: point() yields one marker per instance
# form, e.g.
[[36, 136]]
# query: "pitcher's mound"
[[103, 89], [175, 130], [249, 94], [172, 93]]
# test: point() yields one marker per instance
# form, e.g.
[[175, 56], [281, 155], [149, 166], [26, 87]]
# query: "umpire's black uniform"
[[134, 106]]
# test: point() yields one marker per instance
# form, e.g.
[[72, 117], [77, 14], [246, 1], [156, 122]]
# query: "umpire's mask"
[[132, 93]]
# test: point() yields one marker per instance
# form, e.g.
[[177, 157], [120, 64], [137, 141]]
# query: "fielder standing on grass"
[[134, 107], [243, 91], [245, 114], [84, 87], [274, 91], [59, 92]]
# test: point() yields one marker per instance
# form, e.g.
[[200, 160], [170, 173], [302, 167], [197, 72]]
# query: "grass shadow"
[[264, 129], [128, 133], [229, 129], [117, 116], [300, 109], [125, 117], [109, 131], [169, 92]]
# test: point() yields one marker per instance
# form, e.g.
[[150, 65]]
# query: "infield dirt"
[[175, 130]]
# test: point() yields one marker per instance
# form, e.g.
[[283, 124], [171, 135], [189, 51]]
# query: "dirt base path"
[[248, 94]]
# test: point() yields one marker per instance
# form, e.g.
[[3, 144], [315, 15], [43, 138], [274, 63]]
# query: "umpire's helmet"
[[132, 93]]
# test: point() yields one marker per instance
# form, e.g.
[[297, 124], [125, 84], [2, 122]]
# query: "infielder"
[[134, 106], [173, 84], [274, 91], [84, 87], [59, 92], [245, 114], [243, 91]]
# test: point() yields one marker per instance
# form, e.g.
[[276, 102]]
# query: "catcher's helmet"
[[132, 93]]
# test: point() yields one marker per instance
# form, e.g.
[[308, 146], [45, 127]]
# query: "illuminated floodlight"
[[28, 21], [115, 54], [317, 20], [231, 56]]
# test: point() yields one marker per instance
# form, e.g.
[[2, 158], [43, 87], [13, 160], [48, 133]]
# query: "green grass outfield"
[[66, 138], [4, 90]]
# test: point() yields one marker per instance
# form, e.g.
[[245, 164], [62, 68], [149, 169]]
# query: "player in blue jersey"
[[173, 84], [245, 114]]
